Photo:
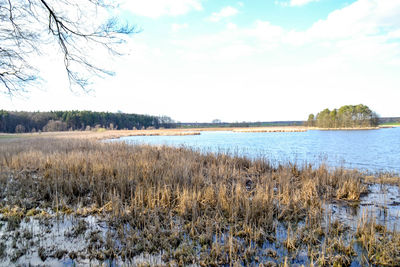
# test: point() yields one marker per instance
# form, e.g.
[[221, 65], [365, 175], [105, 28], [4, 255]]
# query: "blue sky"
[[256, 60]]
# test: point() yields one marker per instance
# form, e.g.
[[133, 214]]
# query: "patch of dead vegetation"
[[193, 208]]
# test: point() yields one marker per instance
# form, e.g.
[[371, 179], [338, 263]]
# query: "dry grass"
[[103, 134], [113, 134], [382, 246], [209, 209]]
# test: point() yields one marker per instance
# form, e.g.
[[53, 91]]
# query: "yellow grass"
[[111, 134], [107, 134]]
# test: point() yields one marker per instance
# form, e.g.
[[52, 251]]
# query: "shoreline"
[[271, 129], [344, 128], [114, 134]]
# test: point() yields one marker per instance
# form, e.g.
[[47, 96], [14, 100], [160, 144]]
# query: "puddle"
[[382, 203], [54, 242]]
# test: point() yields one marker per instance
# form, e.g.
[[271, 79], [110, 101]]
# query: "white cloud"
[[394, 34], [224, 13], [353, 52], [262, 71], [158, 8], [364, 18], [231, 26], [265, 31], [365, 22], [301, 2], [294, 3], [177, 27], [235, 51]]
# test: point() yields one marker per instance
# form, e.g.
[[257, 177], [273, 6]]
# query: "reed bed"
[[100, 134], [181, 205]]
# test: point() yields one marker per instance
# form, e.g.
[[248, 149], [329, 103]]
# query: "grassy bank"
[[173, 206], [389, 124]]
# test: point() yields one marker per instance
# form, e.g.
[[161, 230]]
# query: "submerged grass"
[[191, 208]]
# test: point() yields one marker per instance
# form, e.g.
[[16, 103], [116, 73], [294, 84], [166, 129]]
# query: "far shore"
[[271, 129], [389, 125], [345, 128], [114, 134]]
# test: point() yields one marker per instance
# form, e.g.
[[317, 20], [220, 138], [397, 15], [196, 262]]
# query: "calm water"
[[372, 150]]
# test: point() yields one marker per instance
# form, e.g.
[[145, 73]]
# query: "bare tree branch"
[[26, 26]]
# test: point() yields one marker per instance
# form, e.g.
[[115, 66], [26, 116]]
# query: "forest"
[[21, 121], [348, 116]]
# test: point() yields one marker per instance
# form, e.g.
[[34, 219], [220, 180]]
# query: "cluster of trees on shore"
[[20, 122], [348, 116]]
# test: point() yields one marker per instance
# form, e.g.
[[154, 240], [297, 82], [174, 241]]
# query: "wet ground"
[[67, 240], [63, 241], [381, 203]]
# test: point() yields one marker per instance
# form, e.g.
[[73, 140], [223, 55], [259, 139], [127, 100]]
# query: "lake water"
[[369, 150]]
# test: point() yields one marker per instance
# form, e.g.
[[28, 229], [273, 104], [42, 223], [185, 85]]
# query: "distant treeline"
[[389, 120], [345, 117], [20, 122], [236, 124]]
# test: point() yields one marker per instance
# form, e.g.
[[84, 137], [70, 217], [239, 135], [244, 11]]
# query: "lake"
[[367, 150]]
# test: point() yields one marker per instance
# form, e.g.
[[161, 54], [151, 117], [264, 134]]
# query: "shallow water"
[[54, 234], [367, 150], [382, 204]]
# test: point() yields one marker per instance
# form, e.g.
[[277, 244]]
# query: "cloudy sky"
[[255, 60]]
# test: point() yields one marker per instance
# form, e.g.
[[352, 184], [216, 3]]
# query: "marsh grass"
[[381, 245], [192, 208]]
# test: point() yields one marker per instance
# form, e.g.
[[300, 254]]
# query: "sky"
[[255, 60]]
